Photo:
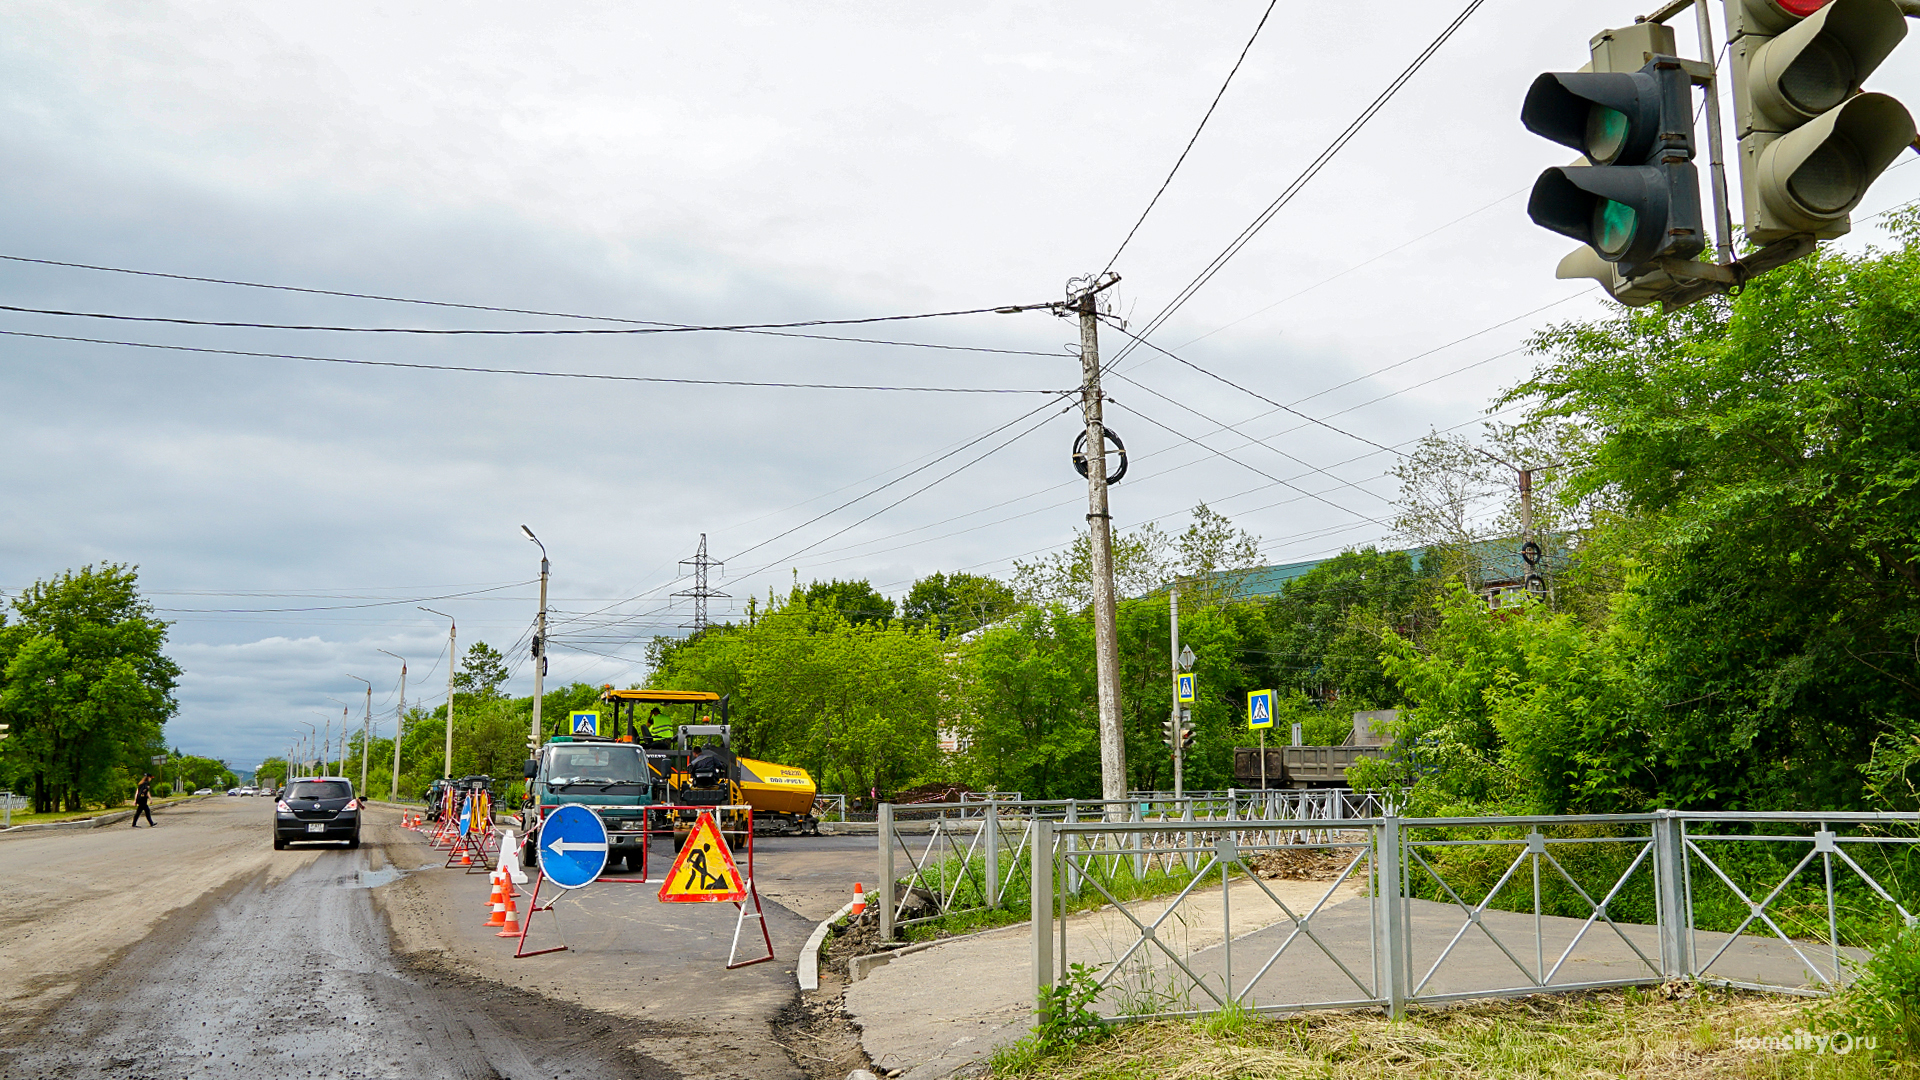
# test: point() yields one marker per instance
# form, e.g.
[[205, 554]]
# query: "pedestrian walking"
[[141, 797]]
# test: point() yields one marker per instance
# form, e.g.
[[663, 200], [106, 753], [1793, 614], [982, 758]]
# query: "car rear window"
[[321, 789]]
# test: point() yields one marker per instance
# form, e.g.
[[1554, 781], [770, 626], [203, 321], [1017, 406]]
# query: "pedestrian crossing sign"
[[1260, 709], [586, 723], [705, 871], [1183, 687]]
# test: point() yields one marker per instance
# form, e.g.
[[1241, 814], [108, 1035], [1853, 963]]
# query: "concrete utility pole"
[[539, 647], [1106, 640], [399, 725], [1173, 666], [366, 737], [453, 660]]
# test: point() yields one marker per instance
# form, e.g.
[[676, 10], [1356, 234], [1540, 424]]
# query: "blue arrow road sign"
[[573, 846], [1260, 709]]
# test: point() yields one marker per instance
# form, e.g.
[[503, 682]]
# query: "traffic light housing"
[[1636, 201], [1811, 143], [1186, 738], [1168, 730]]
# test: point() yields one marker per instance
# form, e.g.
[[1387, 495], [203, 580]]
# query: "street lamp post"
[[306, 751], [539, 647], [344, 710], [366, 737], [453, 659], [399, 725]]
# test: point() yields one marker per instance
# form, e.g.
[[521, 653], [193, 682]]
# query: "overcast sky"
[[719, 163]]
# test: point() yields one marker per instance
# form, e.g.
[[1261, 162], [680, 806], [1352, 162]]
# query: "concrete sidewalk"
[[936, 1011]]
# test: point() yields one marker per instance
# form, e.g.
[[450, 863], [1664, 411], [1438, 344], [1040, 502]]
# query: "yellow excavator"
[[697, 769]]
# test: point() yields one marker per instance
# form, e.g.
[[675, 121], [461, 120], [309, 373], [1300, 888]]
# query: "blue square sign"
[[1260, 709], [586, 723]]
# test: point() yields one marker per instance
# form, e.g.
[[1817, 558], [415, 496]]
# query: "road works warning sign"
[[704, 872]]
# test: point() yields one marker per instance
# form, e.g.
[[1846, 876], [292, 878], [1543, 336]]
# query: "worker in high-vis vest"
[[659, 728]]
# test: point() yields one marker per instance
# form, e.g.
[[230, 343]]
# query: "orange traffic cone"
[[859, 900], [499, 917], [510, 923]]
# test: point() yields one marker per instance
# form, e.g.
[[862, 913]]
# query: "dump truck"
[[1315, 766]]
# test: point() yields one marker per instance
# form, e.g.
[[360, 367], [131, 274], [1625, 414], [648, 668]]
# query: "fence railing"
[[1396, 911], [830, 807], [976, 853]]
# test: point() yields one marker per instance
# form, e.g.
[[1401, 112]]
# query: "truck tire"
[[527, 857]]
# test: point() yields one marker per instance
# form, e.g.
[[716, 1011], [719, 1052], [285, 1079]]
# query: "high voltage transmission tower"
[[700, 592]]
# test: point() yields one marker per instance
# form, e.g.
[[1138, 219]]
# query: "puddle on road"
[[374, 878]]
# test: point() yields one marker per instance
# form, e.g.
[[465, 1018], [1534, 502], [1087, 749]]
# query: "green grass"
[[23, 817], [1567, 1037]]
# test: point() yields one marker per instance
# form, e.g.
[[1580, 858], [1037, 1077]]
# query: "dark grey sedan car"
[[317, 808]]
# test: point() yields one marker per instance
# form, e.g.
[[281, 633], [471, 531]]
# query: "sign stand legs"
[[765, 934], [526, 923]]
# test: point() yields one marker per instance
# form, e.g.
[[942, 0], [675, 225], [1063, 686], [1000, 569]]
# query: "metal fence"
[[1400, 911], [942, 859]]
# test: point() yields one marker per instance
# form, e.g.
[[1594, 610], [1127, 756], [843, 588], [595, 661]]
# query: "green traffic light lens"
[[1606, 134], [1613, 227]]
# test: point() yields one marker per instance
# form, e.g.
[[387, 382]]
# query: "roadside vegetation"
[[1680, 1029]]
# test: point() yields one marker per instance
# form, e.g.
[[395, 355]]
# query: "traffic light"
[[1168, 730], [1186, 738], [1810, 142], [1636, 198]]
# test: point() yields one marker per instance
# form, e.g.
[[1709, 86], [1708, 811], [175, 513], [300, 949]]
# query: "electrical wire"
[[349, 607], [1181, 160], [1250, 393], [1246, 465], [962, 468], [902, 476], [469, 369], [671, 328], [1306, 175]]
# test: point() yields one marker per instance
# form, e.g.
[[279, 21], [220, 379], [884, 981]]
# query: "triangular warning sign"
[[704, 871]]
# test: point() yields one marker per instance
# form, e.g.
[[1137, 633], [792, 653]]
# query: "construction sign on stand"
[[704, 872]]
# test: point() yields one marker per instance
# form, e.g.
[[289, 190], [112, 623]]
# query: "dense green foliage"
[[85, 686]]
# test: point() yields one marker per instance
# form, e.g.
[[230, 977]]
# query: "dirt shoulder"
[[79, 898]]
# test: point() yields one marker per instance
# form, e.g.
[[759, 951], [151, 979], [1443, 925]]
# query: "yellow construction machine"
[[697, 769]]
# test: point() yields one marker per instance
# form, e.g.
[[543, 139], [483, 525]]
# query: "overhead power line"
[[875, 491], [1299, 182], [470, 369], [669, 328], [1181, 160], [1250, 467]]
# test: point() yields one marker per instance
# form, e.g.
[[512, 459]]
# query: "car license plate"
[[318, 826]]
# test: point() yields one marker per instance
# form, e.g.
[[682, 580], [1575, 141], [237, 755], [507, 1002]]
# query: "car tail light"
[[282, 805], [352, 804]]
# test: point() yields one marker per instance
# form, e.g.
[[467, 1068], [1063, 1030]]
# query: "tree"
[[85, 685], [859, 705], [1325, 627], [482, 673], [856, 601], [958, 603], [272, 770], [1767, 453], [1214, 556]]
